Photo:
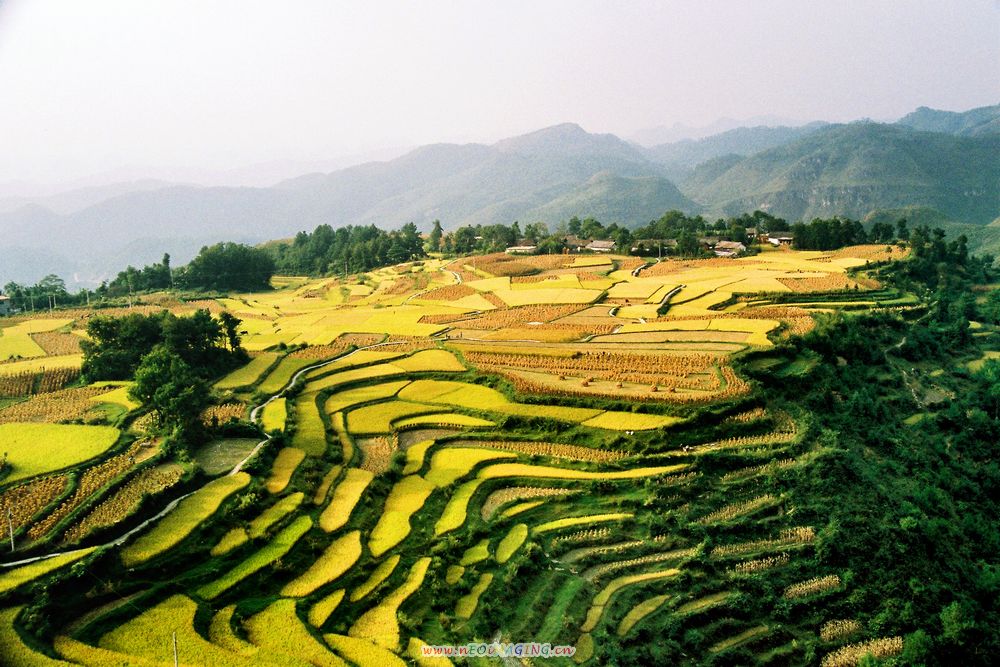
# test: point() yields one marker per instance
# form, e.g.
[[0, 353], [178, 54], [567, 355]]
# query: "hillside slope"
[[854, 169], [973, 123]]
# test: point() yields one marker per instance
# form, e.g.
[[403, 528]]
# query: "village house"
[[5, 305], [573, 243], [653, 246], [780, 240], [521, 250], [728, 248], [601, 246]]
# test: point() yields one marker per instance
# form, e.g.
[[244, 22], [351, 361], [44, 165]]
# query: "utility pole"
[[175, 649], [10, 527]]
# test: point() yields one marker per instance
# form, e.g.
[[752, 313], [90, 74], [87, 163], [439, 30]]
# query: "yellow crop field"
[[339, 557], [467, 604], [233, 539], [444, 419], [84, 654], [520, 508], [41, 364], [529, 297], [363, 652], [406, 498], [629, 421], [118, 396], [358, 358], [559, 281], [637, 289], [525, 470], [511, 542], [451, 463], [379, 418], [275, 549], [415, 456], [571, 522], [501, 497], [490, 284], [16, 652], [324, 486], [431, 360], [591, 260], [456, 510], [701, 305], [220, 632], [345, 496], [477, 397], [354, 375], [381, 572], [149, 635], [285, 463], [310, 432], [188, 515], [33, 449], [343, 437], [282, 374], [274, 415], [602, 599], [345, 399], [259, 526], [14, 577], [476, 553], [639, 612], [379, 624], [15, 345], [280, 633], [248, 374], [320, 612]]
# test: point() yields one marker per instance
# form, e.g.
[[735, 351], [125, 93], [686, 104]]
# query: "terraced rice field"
[[592, 463]]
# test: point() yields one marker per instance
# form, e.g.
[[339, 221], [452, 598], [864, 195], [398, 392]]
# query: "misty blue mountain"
[[937, 163]]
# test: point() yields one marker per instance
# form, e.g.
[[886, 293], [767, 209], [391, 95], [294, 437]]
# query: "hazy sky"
[[87, 87]]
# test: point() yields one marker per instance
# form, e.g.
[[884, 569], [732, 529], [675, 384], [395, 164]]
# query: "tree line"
[[356, 249], [351, 249]]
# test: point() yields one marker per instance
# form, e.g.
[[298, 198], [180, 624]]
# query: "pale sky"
[[103, 85]]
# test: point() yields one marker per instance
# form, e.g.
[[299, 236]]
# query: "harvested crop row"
[[25, 501], [92, 480], [789, 537], [501, 497], [60, 406], [126, 500]]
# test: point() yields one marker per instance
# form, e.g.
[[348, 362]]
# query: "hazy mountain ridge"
[[549, 175], [681, 157], [856, 168], [977, 122]]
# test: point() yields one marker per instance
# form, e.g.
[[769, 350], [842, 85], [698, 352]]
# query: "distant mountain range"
[[941, 161]]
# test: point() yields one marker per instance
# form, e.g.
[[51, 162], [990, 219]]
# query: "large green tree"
[[168, 384]]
